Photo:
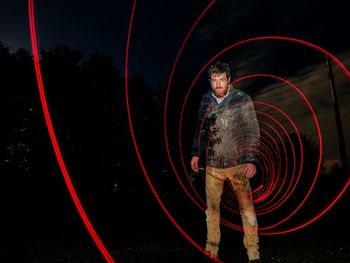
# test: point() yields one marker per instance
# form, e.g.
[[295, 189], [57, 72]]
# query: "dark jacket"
[[227, 134]]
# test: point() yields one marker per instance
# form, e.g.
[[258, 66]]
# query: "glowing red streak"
[[53, 139], [167, 97], [281, 201], [343, 68], [228, 196], [261, 198], [134, 137], [269, 190], [271, 185]]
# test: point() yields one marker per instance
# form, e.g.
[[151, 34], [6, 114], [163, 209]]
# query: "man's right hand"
[[194, 164]]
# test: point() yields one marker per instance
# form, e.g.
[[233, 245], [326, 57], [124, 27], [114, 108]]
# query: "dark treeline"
[[86, 99], [87, 102]]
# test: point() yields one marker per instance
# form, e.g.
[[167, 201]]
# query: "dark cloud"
[[314, 84]]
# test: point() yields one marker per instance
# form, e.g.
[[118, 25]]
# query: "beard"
[[220, 91]]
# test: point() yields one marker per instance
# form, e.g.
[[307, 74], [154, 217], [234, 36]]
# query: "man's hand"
[[194, 164], [250, 170]]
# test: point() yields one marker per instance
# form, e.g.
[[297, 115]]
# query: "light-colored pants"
[[214, 184]]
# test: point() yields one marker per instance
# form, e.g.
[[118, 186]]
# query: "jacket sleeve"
[[249, 133], [201, 128]]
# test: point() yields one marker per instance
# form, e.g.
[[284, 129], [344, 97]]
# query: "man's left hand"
[[250, 170]]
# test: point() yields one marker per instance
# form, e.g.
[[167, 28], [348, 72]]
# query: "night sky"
[[158, 31]]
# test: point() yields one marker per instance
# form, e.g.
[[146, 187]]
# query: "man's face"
[[219, 84]]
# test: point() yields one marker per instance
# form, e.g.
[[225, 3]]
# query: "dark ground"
[[42, 226]]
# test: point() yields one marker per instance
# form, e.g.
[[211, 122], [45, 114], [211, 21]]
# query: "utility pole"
[[341, 141]]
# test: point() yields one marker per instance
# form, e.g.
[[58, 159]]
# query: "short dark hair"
[[219, 67]]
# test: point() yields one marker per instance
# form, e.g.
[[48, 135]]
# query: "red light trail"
[[270, 154], [54, 142]]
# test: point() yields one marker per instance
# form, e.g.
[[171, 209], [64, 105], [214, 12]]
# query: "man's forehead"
[[218, 75]]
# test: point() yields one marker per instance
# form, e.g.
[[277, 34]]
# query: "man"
[[227, 136]]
